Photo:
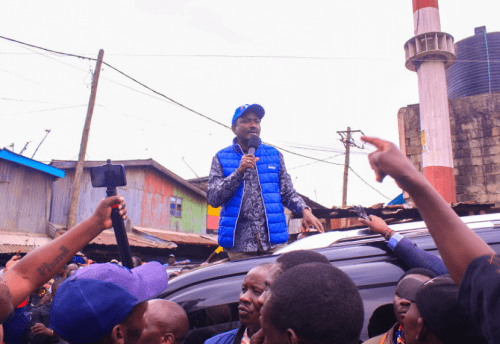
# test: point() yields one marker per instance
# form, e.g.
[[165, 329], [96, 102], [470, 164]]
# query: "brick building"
[[475, 135]]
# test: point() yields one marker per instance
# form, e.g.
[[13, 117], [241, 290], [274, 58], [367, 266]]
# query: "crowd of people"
[[301, 298]]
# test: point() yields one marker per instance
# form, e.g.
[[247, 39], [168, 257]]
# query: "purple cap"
[[240, 111], [96, 298]]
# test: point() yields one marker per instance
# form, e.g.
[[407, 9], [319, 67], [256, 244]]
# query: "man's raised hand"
[[102, 214], [388, 160], [247, 161]]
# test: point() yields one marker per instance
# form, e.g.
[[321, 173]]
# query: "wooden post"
[[75, 191], [346, 167]]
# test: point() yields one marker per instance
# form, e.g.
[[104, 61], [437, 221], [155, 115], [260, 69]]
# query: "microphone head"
[[254, 142]]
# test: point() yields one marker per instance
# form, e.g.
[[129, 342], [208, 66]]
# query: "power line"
[[253, 56], [19, 76], [175, 102], [164, 96], [49, 57], [31, 101], [325, 149], [89, 72], [122, 73], [60, 108], [49, 50], [364, 181], [314, 162]]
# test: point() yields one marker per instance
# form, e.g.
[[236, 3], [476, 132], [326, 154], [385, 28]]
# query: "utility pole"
[[75, 191], [345, 138]]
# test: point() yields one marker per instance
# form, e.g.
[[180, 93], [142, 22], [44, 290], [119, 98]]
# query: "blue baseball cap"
[[96, 298], [255, 108]]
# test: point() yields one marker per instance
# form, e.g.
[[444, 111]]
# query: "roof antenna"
[[25, 146], [47, 131]]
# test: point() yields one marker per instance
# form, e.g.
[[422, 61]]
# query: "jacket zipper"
[[263, 203], [243, 193], [265, 211]]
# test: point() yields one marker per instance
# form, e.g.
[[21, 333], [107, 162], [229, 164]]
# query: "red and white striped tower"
[[428, 53]]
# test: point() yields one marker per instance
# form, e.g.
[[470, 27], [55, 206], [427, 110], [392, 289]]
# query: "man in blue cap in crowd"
[[252, 189], [107, 303]]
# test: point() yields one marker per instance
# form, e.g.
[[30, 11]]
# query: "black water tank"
[[477, 69]]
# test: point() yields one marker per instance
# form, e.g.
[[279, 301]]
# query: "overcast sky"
[[315, 66]]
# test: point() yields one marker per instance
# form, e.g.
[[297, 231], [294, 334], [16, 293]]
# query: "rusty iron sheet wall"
[[24, 198], [147, 195], [90, 197], [155, 201]]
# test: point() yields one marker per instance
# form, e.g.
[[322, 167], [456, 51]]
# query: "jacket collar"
[[237, 148]]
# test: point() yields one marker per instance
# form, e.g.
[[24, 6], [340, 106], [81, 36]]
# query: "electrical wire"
[[325, 149], [32, 101], [228, 56], [364, 181], [122, 73], [19, 76], [49, 57], [102, 77], [314, 162], [177, 103], [36, 111]]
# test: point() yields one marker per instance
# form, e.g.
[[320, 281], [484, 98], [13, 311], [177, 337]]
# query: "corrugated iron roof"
[[23, 239], [65, 165], [401, 211], [12, 249], [11, 242], [107, 237], [22, 160], [177, 237]]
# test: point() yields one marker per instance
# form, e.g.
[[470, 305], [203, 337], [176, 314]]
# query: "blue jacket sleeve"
[[415, 257]]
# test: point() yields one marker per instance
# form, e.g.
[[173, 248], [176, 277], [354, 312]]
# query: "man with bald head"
[[165, 322]]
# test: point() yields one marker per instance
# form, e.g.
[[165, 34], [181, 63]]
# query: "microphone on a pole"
[[253, 144]]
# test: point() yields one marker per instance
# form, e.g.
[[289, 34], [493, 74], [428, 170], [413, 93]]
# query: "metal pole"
[[75, 192], [346, 167]]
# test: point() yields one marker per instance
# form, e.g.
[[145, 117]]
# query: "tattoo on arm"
[[46, 268]]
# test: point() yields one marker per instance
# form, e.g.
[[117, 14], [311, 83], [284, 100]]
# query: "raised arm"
[[40, 265], [412, 255], [457, 243]]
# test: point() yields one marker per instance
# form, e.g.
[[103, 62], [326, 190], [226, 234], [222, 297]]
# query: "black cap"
[[437, 302]]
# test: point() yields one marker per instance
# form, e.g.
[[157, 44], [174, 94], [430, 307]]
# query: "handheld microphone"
[[253, 144]]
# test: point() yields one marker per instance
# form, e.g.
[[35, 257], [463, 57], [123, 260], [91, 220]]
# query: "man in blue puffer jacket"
[[252, 190]]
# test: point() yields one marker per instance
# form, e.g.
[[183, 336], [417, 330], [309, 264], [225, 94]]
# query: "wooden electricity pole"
[[75, 191], [347, 143]]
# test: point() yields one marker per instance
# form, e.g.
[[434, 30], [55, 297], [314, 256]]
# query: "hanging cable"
[[364, 181], [177, 103]]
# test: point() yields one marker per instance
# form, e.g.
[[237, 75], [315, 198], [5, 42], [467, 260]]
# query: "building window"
[[176, 206]]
